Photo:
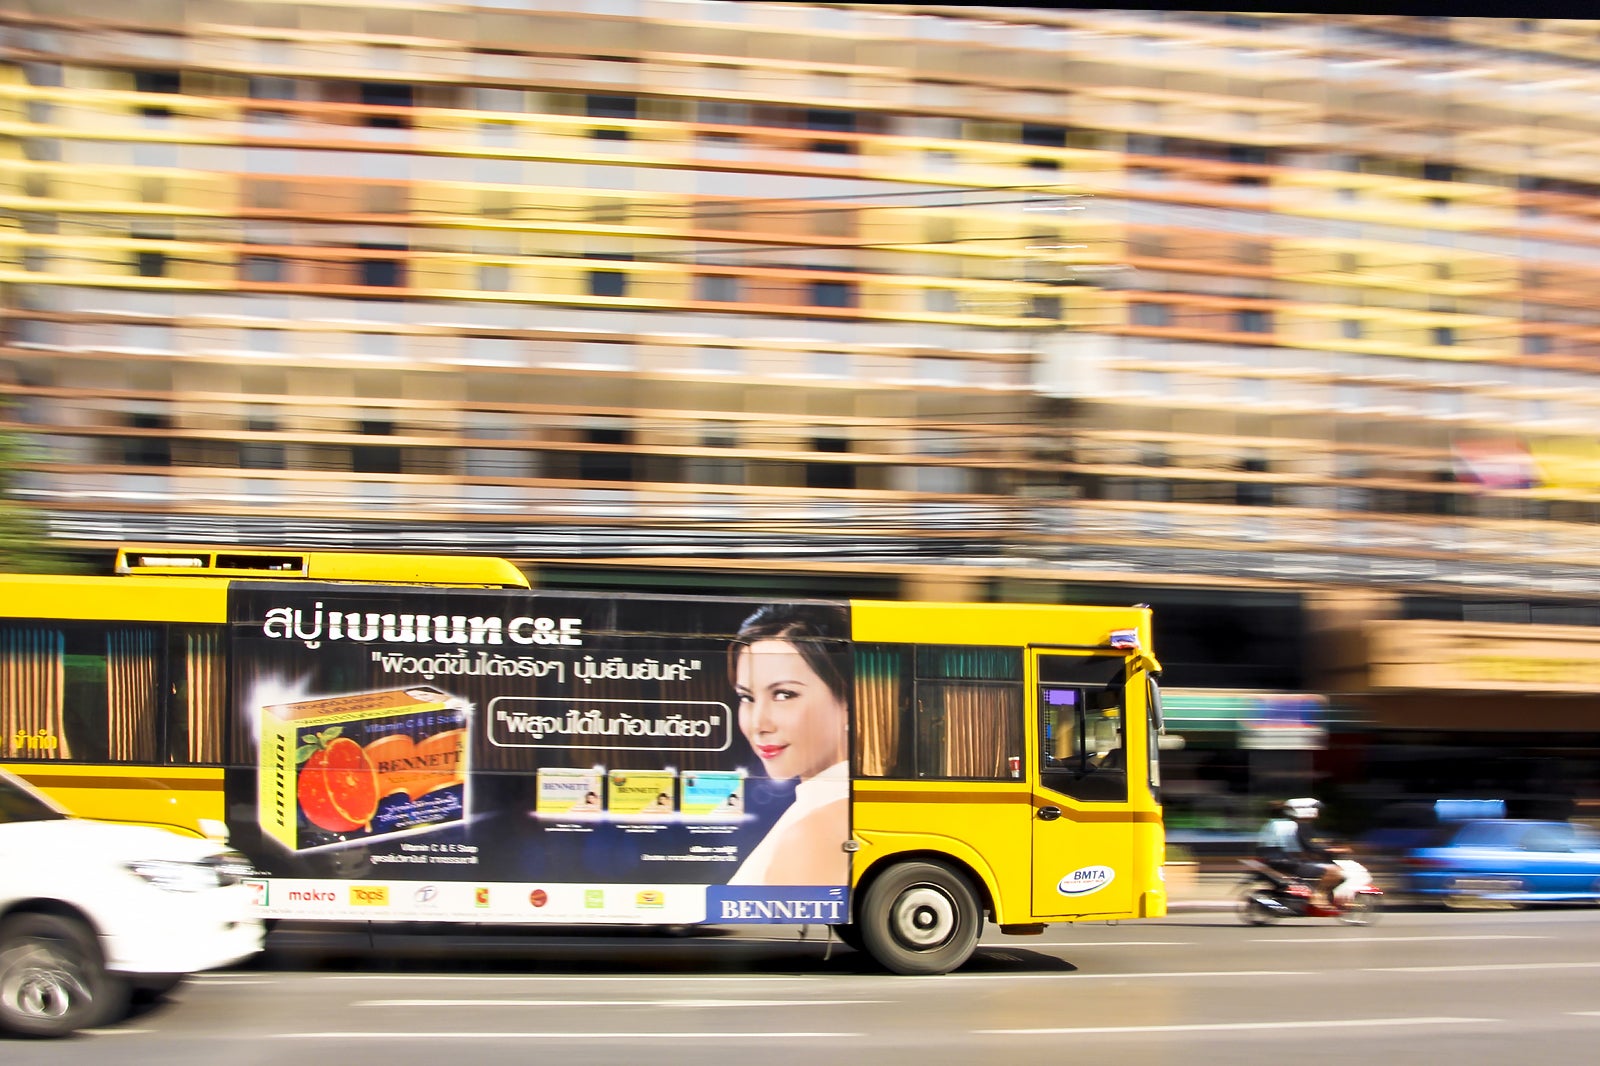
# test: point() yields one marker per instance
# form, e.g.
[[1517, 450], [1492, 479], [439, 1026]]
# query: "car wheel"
[[52, 979], [920, 918]]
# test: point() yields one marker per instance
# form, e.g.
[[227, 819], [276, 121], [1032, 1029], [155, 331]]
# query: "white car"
[[92, 911]]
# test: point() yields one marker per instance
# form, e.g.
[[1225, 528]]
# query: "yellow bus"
[[397, 738]]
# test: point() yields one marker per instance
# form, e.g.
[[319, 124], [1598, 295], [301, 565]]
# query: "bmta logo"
[[1085, 880]]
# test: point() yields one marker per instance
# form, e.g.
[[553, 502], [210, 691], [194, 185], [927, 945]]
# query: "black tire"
[[849, 936], [1253, 910], [920, 918], [52, 979]]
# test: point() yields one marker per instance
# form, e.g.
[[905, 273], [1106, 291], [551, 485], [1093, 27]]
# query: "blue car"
[[1503, 861]]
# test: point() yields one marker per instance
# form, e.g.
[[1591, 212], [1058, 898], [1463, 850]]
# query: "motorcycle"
[[1267, 895]]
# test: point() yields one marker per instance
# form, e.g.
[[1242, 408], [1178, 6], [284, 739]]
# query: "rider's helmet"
[[1305, 807]]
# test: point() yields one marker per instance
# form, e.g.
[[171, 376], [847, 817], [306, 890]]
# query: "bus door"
[[1082, 834]]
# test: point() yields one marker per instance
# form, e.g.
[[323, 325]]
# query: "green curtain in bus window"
[[205, 692], [133, 679], [878, 702], [961, 662], [33, 693]]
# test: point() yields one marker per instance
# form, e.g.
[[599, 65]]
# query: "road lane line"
[[615, 1002], [1220, 1027], [566, 979], [719, 1034], [1093, 944], [1391, 939], [1485, 967]]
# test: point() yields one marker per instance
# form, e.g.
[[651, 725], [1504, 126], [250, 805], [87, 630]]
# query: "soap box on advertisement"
[[713, 794], [361, 766], [565, 792], [641, 793]]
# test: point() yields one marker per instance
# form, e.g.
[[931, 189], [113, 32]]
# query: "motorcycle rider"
[[1286, 844]]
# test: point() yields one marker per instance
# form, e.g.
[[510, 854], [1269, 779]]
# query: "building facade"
[[1280, 323]]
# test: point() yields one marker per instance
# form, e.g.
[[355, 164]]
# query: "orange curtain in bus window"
[[977, 720], [206, 691], [877, 712], [33, 693], [132, 692]]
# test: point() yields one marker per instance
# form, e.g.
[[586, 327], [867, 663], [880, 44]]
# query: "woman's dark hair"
[[816, 632]]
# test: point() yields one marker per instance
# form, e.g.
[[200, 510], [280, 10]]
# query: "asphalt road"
[[1193, 989]]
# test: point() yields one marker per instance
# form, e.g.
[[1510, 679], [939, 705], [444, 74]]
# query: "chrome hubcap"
[[924, 917], [37, 983]]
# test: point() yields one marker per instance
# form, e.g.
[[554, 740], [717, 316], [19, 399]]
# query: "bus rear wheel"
[[920, 918]]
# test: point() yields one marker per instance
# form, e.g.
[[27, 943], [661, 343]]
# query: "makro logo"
[[1088, 879], [369, 895], [310, 895]]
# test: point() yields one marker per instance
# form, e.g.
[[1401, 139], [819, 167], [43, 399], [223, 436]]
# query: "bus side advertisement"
[[507, 756]]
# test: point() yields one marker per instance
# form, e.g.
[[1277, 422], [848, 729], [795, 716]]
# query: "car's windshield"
[[17, 804]]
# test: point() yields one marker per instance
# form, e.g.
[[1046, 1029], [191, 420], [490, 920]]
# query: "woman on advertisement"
[[794, 710]]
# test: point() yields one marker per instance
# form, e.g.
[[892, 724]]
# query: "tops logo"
[[1085, 880]]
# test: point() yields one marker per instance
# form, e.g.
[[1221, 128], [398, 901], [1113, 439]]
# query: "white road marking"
[[719, 1034], [1486, 967], [1391, 939], [613, 1002], [1217, 1027], [566, 979], [1097, 944]]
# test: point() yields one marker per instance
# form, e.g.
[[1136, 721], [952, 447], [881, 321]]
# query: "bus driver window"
[[1081, 739]]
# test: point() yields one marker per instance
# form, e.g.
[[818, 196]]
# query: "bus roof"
[[175, 561]]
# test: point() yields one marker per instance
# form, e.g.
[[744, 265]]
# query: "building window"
[[494, 278], [386, 94], [261, 268], [830, 475], [833, 121], [1044, 136], [833, 294], [1444, 336], [717, 288], [1537, 344], [150, 264], [1044, 307], [1352, 329], [375, 458], [602, 106], [382, 273], [609, 135], [1152, 314], [608, 283], [148, 451], [1252, 321], [606, 466]]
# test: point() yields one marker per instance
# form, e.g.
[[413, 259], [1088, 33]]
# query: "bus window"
[[936, 712], [1081, 726]]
